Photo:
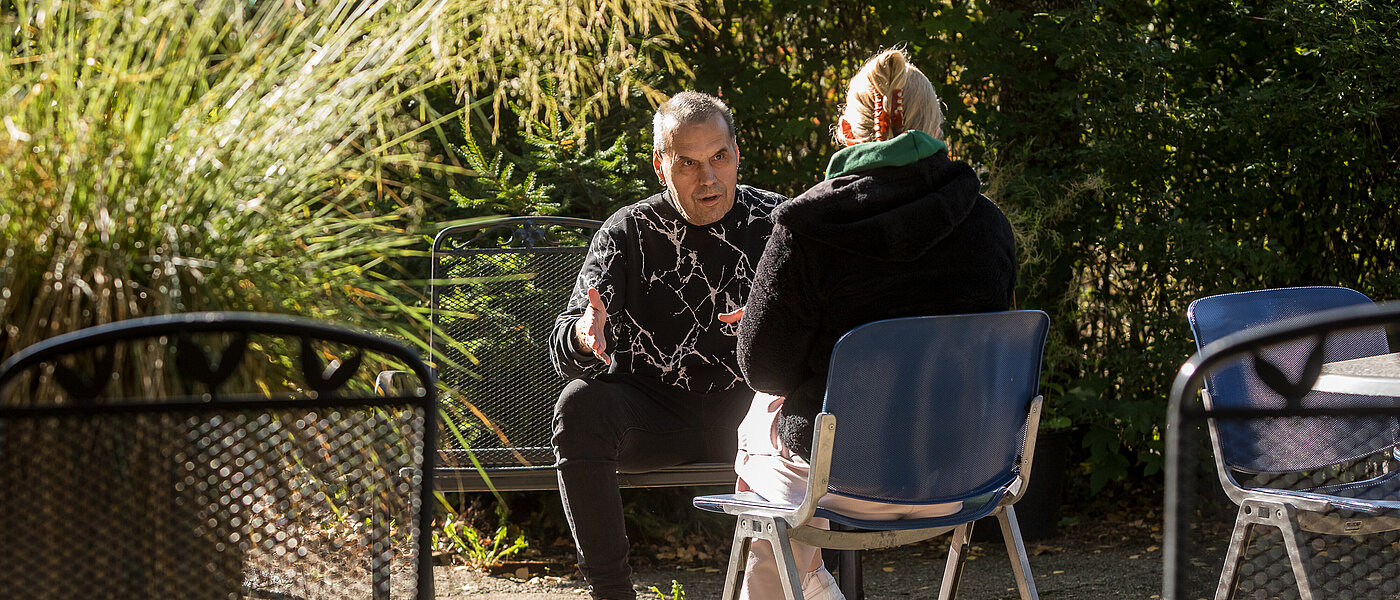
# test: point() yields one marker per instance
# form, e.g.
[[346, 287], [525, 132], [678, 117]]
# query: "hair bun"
[[890, 69]]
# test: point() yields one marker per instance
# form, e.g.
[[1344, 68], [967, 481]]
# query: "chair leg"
[[777, 535], [775, 531], [1234, 556], [380, 559], [1016, 549], [852, 579], [957, 557], [1293, 541], [738, 557], [1272, 514]]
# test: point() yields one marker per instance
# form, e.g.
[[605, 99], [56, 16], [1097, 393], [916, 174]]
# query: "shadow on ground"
[[1088, 561]]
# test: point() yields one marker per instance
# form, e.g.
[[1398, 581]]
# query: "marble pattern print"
[[686, 276]]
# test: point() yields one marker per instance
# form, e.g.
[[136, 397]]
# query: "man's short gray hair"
[[686, 108]]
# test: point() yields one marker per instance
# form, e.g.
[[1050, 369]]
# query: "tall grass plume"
[[164, 156]]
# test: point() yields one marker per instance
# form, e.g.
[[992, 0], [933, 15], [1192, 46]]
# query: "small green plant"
[[1054, 421], [677, 591], [481, 551]]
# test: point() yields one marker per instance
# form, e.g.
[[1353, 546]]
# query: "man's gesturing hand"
[[588, 329]]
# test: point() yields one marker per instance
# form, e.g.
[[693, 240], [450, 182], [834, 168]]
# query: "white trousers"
[[770, 470]]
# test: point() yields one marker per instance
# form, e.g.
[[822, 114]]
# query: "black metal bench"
[[497, 287]]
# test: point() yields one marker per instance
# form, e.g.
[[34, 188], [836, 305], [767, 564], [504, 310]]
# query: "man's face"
[[700, 170]]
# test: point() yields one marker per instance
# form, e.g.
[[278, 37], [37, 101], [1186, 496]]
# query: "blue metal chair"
[[931, 410], [216, 455], [1261, 353]]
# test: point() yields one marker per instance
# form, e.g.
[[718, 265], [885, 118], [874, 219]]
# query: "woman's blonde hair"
[[885, 74]]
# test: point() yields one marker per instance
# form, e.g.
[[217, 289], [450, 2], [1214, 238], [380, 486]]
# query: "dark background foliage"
[[1149, 153]]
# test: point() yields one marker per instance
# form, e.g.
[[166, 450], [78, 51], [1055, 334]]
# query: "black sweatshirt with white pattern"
[[665, 282]]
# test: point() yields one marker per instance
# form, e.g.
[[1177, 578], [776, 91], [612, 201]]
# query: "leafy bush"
[[1166, 152]]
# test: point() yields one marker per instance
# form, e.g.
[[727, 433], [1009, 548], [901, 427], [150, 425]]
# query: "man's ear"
[[656, 165]]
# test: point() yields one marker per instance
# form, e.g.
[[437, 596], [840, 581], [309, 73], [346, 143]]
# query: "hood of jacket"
[[896, 206]]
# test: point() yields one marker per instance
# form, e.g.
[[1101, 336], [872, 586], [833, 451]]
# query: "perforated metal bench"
[[497, 287]]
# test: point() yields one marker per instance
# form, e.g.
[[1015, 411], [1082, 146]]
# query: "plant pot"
[[1038, 511]]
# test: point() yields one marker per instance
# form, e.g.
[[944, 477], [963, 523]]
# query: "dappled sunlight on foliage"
[[166, 158], [160, 157], [578, 54]]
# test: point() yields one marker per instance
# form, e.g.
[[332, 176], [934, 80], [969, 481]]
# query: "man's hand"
[[588, 329], [732, 317]]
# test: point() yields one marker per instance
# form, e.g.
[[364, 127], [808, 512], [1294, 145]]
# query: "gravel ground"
[[1088, 561]]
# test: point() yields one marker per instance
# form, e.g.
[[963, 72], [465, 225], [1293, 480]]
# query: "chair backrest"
[[1282, 445], [497, 287], [932, 409], [215, 455]]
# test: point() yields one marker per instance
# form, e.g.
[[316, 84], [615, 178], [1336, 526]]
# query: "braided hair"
[[887, 97]]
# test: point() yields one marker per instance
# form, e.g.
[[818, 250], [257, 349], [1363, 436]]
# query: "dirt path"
[[1086, 562]]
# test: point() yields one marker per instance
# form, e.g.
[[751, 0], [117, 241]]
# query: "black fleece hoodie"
[[892, 241]]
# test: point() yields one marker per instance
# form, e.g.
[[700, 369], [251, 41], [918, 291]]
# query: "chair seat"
[[740, 503], [1372, 495], [1383, 490], [751, 503], [972, 510]]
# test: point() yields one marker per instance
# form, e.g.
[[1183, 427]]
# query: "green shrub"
[[1166, 152], [1148, 153], [566, 168]]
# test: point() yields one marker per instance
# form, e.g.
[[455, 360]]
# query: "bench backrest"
[[497, 287]]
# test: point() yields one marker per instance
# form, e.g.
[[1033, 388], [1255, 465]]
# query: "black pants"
[[623, 422]]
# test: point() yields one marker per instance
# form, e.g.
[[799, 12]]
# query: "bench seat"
[[518, 479]]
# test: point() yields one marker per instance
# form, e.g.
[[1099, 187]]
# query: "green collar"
[[905, 148]]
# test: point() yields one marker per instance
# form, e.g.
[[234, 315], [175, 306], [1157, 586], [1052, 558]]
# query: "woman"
[[897, 229]]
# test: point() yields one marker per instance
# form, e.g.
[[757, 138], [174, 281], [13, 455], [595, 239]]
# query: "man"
[[646, 307]]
